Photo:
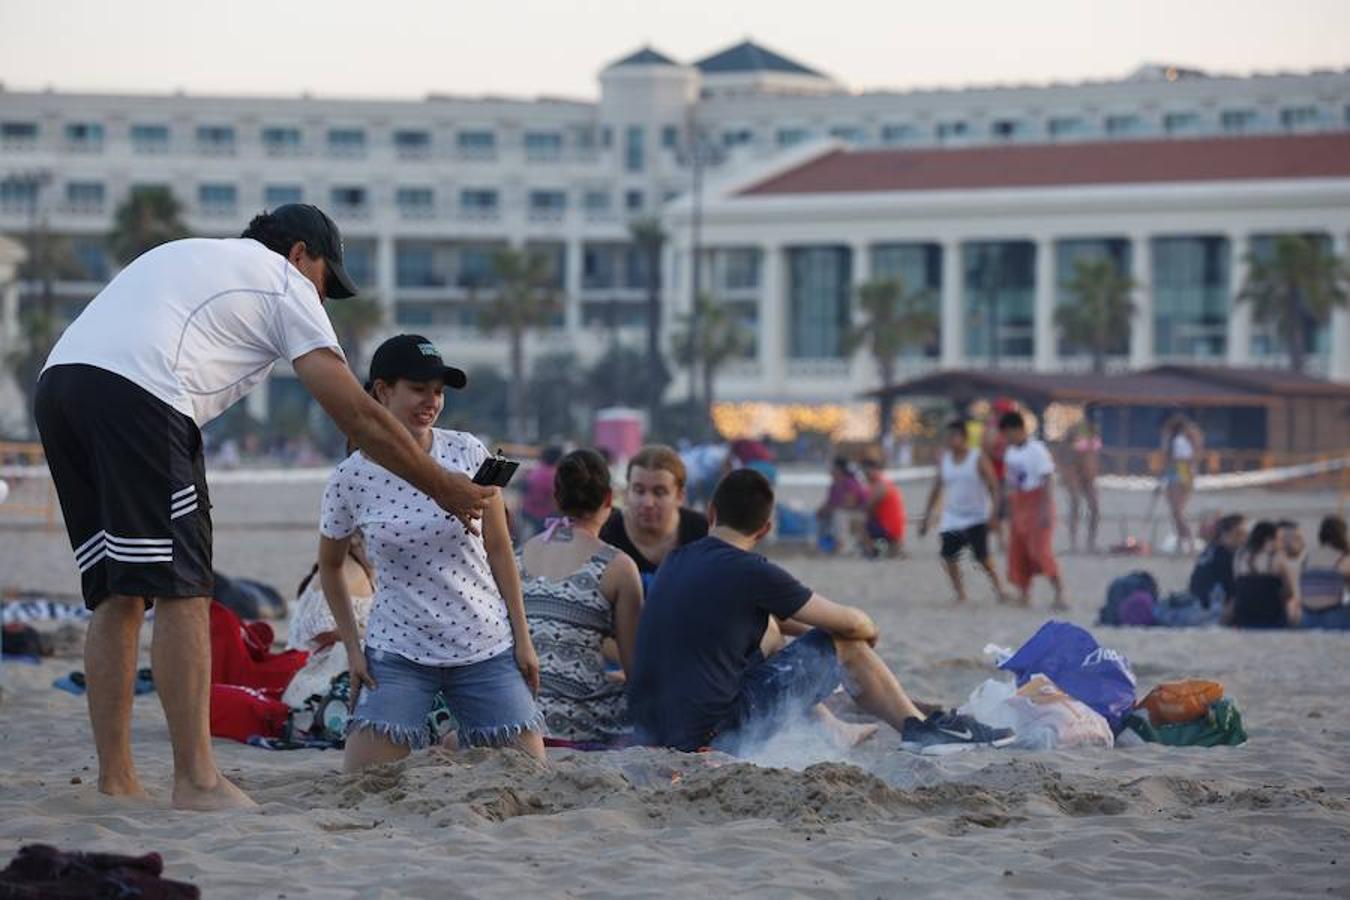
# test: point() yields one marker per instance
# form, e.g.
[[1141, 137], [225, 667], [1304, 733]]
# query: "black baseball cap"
[[322, 237], [415, 358]]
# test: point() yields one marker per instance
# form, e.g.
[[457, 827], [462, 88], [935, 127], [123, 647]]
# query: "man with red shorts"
[[1029, 487]]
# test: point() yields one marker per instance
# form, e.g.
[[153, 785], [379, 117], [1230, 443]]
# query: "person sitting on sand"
[[580, 591], [654, 520], [448, 615], [1324, 583], [885, 510], [1266, 587], [1212, 579], [1030, 476], [311, 627], [966, 486], [838, 517], [700, 677]]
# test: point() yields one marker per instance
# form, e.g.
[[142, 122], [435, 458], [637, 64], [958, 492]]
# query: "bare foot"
[[847, 734], [1059, 605], [222, 794], [122, 786]]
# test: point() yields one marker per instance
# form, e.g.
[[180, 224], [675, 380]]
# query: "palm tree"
[[150, 216], [721, 338], [526, 298], [51, 258], [894, 318], [649, 238], [355, 319], [1099, 317], [1296, 286]]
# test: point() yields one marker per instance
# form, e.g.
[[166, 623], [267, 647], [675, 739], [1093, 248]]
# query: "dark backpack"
[[1122, 588]]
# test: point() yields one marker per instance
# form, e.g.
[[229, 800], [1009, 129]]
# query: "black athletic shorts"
[[131, 479], [976, 537]]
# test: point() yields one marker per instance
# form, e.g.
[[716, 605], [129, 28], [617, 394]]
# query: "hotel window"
[[585, 137], [1237, 121], [1008, 129], [952, 131], [1070, 252], [1190, 296], [788, 137], [999, 290], [1066, 126], [18, 133], [281, 141], [919, 268], [543, 144], [275, 195], [84, 136], [478, 201], [350, 199], [92, 255], [217, 198], [412, 144], [819, 302], [18, 194], [1297, 118], [150, 139], [670, 137], [358, 258], [899, 134], [477, 144], [737, 137], [599, 266], [347, 142], [415, 202], [1181, 123], [606, 136], [85, 196], [548, 203], [1124, 125], [596, 202], [739, 268], [215, 140], [475, 267], [415, 266], [634, 154], [633, 201], [849, 134]]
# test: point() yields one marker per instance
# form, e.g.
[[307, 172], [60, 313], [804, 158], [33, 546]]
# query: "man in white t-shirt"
[[1029, 472], [178, 336]]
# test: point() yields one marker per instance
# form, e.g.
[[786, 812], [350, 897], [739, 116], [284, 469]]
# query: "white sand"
[[1268, 819]]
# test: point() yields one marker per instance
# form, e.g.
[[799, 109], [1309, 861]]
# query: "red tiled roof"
[[1054, 165]]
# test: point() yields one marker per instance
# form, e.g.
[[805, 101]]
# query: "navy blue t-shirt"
[[701, 627]]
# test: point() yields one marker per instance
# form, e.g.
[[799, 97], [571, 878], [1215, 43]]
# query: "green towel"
[[1221, 727]]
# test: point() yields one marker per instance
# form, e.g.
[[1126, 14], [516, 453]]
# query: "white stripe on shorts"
[[190, 489], [183, 511]]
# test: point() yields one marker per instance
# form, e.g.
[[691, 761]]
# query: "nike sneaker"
[[947, 732]]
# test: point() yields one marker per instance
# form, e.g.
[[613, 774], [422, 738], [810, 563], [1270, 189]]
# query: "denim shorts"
[[781, 688], [490, 700]]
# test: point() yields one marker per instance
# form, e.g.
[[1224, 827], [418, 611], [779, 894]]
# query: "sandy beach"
[[1271, 818]]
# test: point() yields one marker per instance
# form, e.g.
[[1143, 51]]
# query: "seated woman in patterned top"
[[578, 592]]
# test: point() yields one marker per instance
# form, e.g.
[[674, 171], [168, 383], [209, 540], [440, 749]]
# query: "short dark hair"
[[1011, 420], [743, 501], [1227, 524], [960, 426], [1331, 533], [581, 483], [266, 230], [1262, 533]]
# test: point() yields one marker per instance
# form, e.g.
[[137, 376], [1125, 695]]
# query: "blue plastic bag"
[[1085, 670]]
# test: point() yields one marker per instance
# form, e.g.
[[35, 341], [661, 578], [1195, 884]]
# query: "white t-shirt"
[[436, 602], [199, 323], [1182, 448], [1027, 466]]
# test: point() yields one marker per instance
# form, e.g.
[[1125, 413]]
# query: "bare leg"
[[110, 652], [1059, 604], [1073, 519], [873, 686], [987, 565], [181, 656], [1094, 516], [953, 567], [365, 748], [843, 734]]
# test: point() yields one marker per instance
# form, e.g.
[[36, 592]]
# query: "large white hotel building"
[[983, 195]]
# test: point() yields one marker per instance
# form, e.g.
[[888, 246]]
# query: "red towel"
[[241, 654]]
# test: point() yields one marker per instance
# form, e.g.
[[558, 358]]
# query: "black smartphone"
[[496, 472]]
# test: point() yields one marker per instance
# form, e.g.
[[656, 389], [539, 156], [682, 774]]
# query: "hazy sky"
[[407, 48]]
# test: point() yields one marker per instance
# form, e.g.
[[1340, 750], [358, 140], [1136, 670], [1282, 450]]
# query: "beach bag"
[[1221, 726], [1042, 715], [1085, 670], [1121, 589], [239, 713], [1181, 701]]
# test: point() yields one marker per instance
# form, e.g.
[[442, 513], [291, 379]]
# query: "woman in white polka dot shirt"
[[448, 616]]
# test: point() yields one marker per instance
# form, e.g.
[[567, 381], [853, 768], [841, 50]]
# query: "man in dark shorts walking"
[[966, 484], [174, 340]]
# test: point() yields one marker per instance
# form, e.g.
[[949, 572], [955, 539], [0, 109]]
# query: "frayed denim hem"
[[418, 738], [500, 735]]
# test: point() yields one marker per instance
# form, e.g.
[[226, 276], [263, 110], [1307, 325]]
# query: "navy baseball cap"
[[322, 237], [415, 358]]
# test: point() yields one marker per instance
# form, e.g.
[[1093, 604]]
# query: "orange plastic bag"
[[1174, 702]]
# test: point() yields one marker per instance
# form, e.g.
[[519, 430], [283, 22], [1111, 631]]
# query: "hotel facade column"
[[953, 313], [1046, 357], [1339, 368], [1239, 350], [573, 263], [1141, 329], [772, 319], [386, 276]]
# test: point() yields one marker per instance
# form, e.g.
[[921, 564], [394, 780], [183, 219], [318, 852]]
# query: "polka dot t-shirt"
[[436, 602]]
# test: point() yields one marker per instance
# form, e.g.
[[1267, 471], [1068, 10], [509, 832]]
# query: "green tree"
[[894, 318], [150, 216], [557, 390], [355, 320], [721, 338], [51, 258], [1099, 316], [526, 299], [649, 239], [1295, 287]]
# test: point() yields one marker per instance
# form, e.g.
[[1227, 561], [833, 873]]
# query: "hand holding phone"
[[496, 471]]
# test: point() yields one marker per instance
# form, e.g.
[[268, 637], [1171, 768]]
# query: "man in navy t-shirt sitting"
[[701, 677]]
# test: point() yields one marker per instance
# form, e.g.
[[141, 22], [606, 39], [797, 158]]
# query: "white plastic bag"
[[1044, 717]]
